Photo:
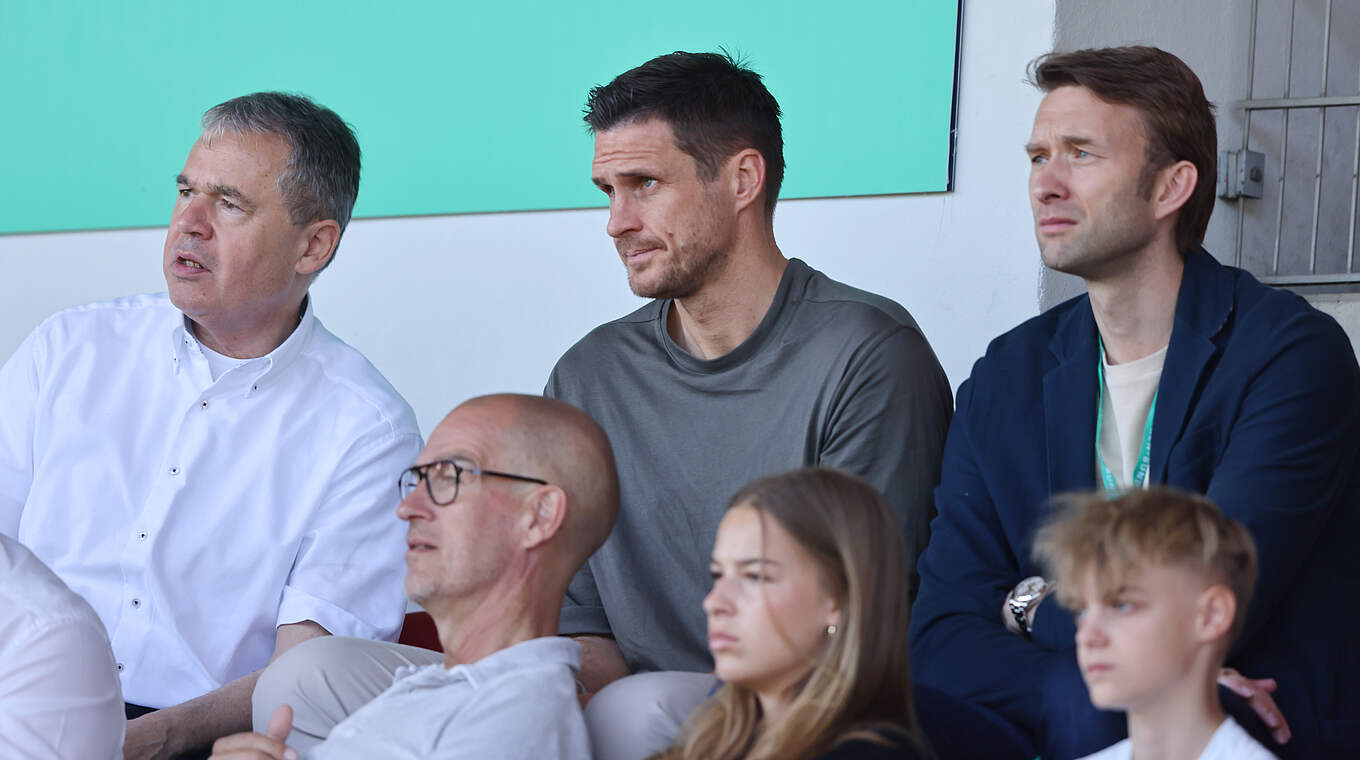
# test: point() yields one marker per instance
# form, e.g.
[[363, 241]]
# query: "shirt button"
[[204, 404], [136, 603], [141, 536], [120, 667], [174, 470]]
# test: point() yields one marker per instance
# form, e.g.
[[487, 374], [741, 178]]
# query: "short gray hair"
[[321, 179]]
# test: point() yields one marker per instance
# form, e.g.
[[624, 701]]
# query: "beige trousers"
[[638, 716], [325, 679]]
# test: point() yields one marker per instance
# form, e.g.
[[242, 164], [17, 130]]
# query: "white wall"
[[449, 307]]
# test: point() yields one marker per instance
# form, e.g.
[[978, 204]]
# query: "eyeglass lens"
[[441, 481]]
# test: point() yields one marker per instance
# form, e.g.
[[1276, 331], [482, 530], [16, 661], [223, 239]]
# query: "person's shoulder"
[[1249, 293], [546, 661], [1033, 336], [635, 323], [150, 304], [353, 383], [537, 680], [126, 329], [854, 309], [1232, 742], [1254, 300], [120, 316], [627, 334], [525, 705], [1024, 353], [1266, 322]]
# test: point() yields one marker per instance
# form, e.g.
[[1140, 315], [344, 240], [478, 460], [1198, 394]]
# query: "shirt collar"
[[261, 370], [548, 650], [792, 287]]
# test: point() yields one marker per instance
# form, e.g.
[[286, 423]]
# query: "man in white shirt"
[[59, 695], [509, 498], [211, 468]]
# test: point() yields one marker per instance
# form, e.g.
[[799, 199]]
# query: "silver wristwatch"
[[1024, 594]]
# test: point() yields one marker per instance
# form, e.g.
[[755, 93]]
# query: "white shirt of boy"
[[1229, 742]]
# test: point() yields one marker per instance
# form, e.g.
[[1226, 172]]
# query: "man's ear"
[[546, 511], [1214, 615], [1175, 184], [748, 176], [319, 245]]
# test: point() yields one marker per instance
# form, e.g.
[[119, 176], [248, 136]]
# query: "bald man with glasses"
[[507, 501]]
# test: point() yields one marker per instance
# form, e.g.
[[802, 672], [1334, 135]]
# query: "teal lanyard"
[[1140, 471]]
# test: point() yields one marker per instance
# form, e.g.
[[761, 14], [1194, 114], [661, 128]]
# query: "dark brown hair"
[[1177, 118], [714, 103]]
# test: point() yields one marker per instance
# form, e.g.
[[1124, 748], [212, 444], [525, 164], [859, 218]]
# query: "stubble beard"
[[1105, 242], [683, 274]]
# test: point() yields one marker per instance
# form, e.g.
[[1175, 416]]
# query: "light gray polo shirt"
[[517, 703]]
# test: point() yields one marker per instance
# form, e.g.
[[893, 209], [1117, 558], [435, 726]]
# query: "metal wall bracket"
[[1241, 174]]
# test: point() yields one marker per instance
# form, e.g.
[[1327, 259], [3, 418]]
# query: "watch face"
[[1029, 587]]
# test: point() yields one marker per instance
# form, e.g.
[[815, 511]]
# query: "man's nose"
[[1048, 180], [192, 217], [416, 505], [623, 217]]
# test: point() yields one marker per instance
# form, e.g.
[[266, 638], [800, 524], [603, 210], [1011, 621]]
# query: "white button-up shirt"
[[59, 695], [196, 515], [516, 704]]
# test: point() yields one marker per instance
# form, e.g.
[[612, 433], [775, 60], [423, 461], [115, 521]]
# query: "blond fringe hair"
[[860, 686], [1090, 535]]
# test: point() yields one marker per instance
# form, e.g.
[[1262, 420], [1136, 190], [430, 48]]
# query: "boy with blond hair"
[[1159, 581]]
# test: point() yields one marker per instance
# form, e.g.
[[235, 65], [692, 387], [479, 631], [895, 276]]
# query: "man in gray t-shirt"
[[745, 364], [831, 376]]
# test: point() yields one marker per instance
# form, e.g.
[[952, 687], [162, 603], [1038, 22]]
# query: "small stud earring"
[[831, 630]]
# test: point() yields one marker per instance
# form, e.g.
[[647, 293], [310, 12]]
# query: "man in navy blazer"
[[1238, 391]]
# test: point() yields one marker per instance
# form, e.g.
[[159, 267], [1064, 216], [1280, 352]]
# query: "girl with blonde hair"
[[807, 623]]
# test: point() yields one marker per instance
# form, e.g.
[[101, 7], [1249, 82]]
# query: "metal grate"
[[1303, 113]]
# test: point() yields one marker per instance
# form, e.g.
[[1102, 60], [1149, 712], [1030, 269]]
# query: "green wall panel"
[[459, 107]]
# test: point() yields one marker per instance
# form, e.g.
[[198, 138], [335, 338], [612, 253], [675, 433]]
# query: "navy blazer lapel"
[[1203, 305], [1070, 402]]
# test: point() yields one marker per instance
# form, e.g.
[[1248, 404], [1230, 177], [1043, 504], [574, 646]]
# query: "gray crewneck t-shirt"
[[832, 376]]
